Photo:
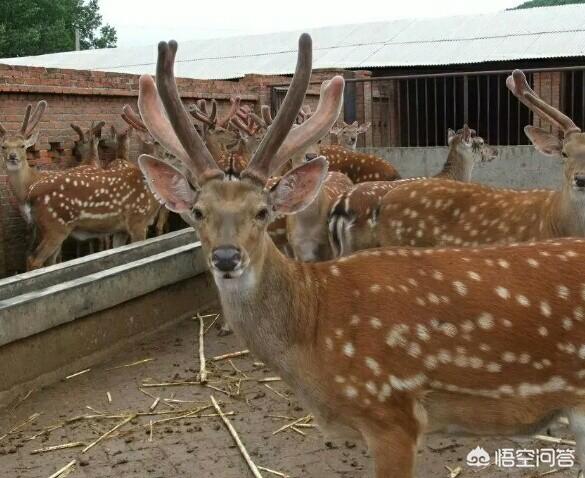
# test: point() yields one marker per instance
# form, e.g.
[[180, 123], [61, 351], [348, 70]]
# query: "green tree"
[[546, 3], [35, 27]]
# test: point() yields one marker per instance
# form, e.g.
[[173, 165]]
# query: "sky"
[[145, 22]]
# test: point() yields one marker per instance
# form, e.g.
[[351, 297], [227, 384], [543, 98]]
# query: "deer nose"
[[226, 258], [12, 156], [310, 156], [580, 180]]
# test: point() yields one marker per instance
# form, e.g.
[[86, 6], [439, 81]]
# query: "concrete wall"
[[516, 167]]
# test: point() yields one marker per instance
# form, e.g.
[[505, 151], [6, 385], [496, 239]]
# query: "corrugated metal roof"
[[546, 32]]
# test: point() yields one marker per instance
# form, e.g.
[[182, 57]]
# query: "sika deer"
[[307, 231], [82, 149], [385, 344], [82, 202], [435, 212], [354, 217], [347, 134]]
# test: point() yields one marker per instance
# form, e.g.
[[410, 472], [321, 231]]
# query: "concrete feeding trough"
[[57, 319]]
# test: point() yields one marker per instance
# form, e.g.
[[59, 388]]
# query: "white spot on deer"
[[338, 333], [523, 300], [444, 356], [563, 292], [474, 276], [438, 275], [509, 357], [578, 313], [375, 323], [545, 308], [385, 392], [422, 332], [355, 320], [524, 358], [371, 388], [543, 331], [450, 330], [485, 321], [502, 292], [339, 379], [375, 288], [396, 336], [349, 349], [493, 367], [350, 391], [329, 343], [460, 287], [433, 298], [373, 365], [335, 271], [504, 264]]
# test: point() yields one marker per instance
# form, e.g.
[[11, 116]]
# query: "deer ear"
[[544, 141], [299, 187], [450, 135], [31, 140], [364, 127], [168, 184]]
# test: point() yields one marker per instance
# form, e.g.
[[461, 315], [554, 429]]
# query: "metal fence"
[[417, 110]]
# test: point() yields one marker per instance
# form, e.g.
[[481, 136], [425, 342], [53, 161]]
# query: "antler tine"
[[202, 105], [2, 130], [200, 115], [78, 130], [154, 117], [235, 106], [31, 120], [318, 125], [262, 162], [244, 112], [25, 120], [201, 160], [133, 119], [521, 89], [238, 123], [266, 115], [259, 121]]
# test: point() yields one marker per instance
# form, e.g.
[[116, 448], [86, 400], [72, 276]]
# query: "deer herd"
[[392, 307]]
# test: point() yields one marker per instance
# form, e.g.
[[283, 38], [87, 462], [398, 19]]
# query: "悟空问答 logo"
[[478, 457]]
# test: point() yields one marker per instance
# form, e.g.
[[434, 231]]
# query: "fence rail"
[[417, 110]]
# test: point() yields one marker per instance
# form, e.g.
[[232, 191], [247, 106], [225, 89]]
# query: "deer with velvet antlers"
[[489, 355], [353, 221], [447, 213]]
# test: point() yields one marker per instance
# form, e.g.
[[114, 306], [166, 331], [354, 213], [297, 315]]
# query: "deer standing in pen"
[[386, 344], [82, 149], [347, 134], [446, 213], [81, 202], [354, 217]]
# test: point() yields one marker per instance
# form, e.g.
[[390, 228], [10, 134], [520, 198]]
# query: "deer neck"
[[567, 213], [459, 165], [21, 180], [272, 306]]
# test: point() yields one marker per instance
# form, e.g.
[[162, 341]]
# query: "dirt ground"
[[199, 445]]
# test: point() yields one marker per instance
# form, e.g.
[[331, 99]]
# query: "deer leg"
[[394, 451], [161, 221], [55, 257], [577, 423], [48, 247], [119, 239], [138, 233]]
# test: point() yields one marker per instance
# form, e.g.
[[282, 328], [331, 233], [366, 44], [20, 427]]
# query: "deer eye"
[[262, 214], [564, 155], [197, 214]]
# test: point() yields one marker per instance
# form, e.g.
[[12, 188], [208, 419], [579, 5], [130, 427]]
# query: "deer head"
[[470, 146], [347, 134], [82, 148], [14, 145], [571, 143], [231, 217], [120, 141]]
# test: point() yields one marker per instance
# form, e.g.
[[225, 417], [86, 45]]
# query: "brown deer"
[[307, 231], [82, 149], [81, 202], [354, 216], [386, 344], [347, 134], [442, 213]]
